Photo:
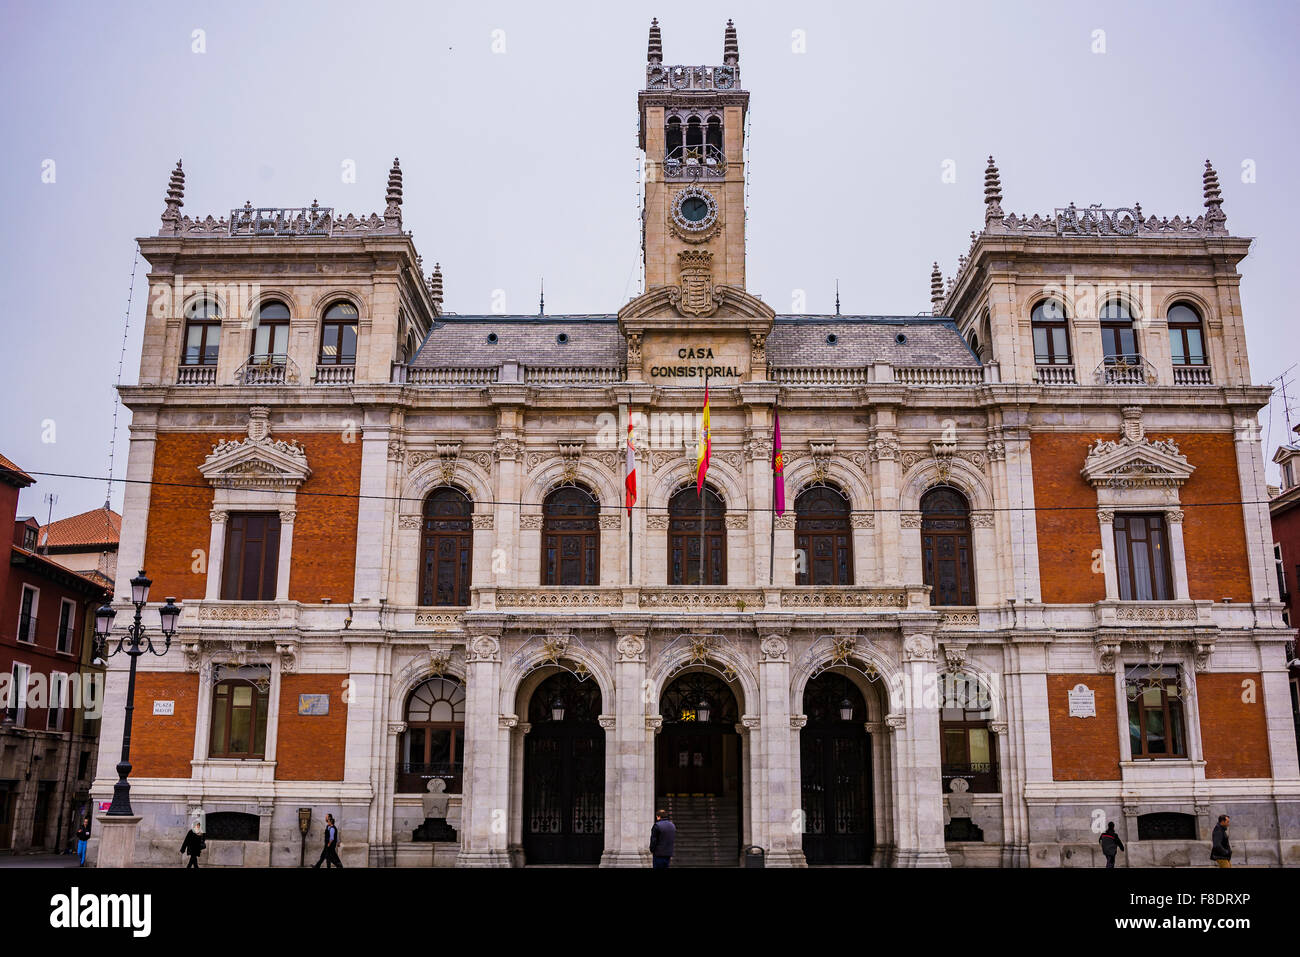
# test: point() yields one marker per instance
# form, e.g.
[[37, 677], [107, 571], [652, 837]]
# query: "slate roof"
[[595, 341]]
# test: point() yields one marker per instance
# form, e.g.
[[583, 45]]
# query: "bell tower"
[[693, 136]]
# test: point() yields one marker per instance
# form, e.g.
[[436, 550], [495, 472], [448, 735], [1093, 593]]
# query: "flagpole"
[[704, 445]]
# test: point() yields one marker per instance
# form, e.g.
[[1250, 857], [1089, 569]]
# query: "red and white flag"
[[631, 471]]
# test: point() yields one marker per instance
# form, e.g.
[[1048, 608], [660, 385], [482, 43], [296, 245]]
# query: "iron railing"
[[268, 369], [1126, 370], [695, 162]]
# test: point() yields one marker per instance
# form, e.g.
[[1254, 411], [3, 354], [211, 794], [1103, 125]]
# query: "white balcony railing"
[[820, 376], [452, 376], [335, 375], [1193, 375], [196, 375], [571, 375], [1055, 375], [938, 376]]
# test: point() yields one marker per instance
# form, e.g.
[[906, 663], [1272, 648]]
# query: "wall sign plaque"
[[313, 704], [1083, 702]]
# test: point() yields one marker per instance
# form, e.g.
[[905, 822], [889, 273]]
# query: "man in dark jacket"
[[1220, 849], [1110, 843], [83, 835], [663, 836], [329, 855], [194, 845]]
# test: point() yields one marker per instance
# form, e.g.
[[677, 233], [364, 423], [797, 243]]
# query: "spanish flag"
[[630, 498], [705, 445]]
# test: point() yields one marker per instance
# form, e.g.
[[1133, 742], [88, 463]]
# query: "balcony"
[[1126, 370], [1193, 375], [695, 162], [336, 374], [1055, 375], [268, 370], [196, 375]]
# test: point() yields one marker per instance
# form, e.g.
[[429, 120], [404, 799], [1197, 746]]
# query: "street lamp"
[[135, 643]]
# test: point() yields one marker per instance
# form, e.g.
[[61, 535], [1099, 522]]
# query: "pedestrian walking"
[[194, 845], [329, 855], [1220, 849], [1110, 843], [83, 835], [663, 837]]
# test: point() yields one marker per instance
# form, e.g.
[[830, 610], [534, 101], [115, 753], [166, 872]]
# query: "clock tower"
[[693, 135]]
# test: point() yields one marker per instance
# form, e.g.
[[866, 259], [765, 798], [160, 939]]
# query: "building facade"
[[1021, 585], [1284, 510], [50, 690]]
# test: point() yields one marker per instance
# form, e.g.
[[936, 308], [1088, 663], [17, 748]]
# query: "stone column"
[[375, 509], [778, 812], [285, 564], [483, 817], [506, 451], [135, 500], [216, 554], [629, 748], [1177, 554], [885, 478], [1106, 520], [920, 831]]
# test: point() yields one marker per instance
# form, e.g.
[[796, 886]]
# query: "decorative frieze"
[[909, 519], [611, 522], [483, 520], [530, 521], [439, 619], [918, 647], [863, 520], [786, 522], [843, 598], [981, 519], [410, 521], [558, 598], [737, 520], [656, 522], [691, 598]]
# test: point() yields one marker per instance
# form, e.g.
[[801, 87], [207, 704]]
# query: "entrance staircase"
[[708, 829]]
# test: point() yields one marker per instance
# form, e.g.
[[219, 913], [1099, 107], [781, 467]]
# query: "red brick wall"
[[1083, 749], [1234, 732], [1286, 532], [311, 747], [325, 530], [1214, 536], [162, 746]]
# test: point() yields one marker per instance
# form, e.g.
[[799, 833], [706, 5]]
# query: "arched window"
[[447, 548], [571, 537], [689, 527], [968, 749], [1118, 335], [713, 133], [1186, 339], [202, 333], [948, 562], [271, 333], [824, 537], [673, 135], [694, 133], [239, 709], [433, 744], [338, 338], [1051, 334]]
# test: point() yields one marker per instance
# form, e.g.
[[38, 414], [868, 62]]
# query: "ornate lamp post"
[[135, 643]]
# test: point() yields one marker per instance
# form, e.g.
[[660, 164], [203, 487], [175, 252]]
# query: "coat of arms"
[[695, 296]]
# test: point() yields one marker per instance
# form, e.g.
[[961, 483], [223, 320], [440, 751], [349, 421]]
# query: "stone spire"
[[936, 291], [730, 47], [171, 217], [393, 211], [655, 48], [1215, 218], [992, 194], [435, 286]]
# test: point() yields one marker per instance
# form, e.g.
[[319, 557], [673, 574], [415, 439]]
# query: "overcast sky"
[[516, 126]]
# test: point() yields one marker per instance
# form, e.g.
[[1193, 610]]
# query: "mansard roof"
[[595, 340]]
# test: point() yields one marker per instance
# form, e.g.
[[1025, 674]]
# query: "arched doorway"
[[835, 759], [564, 773], [698, 769]]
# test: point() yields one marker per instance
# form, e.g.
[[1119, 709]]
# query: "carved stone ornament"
[[530, 521], [954, 655], [918, 648], [507, 721], [634, 350], [1201, 652], [909, 519], [1106, 652], [257, 462], [654, 722], [1135, 461], [822, 452], [737, 520], [656, 522], [797, 721], [482, 520], [883, 449], [774, 648], [631, 648], [863, 520], [396, 727], [484, 648], [570, 455], [895, 722], [611, 522], [607, 721], [981, 519], [694, 230], [786, 521], [696, 296]]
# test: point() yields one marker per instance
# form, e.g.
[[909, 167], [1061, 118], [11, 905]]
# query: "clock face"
[[694, 209], [694, 213]]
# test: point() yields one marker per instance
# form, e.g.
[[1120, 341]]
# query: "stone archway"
[[563, 806], [836, 773], [699, 767]]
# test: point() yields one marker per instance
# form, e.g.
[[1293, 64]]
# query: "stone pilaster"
[[918, 782], [778, 773], [629, 754], [483, 814]]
